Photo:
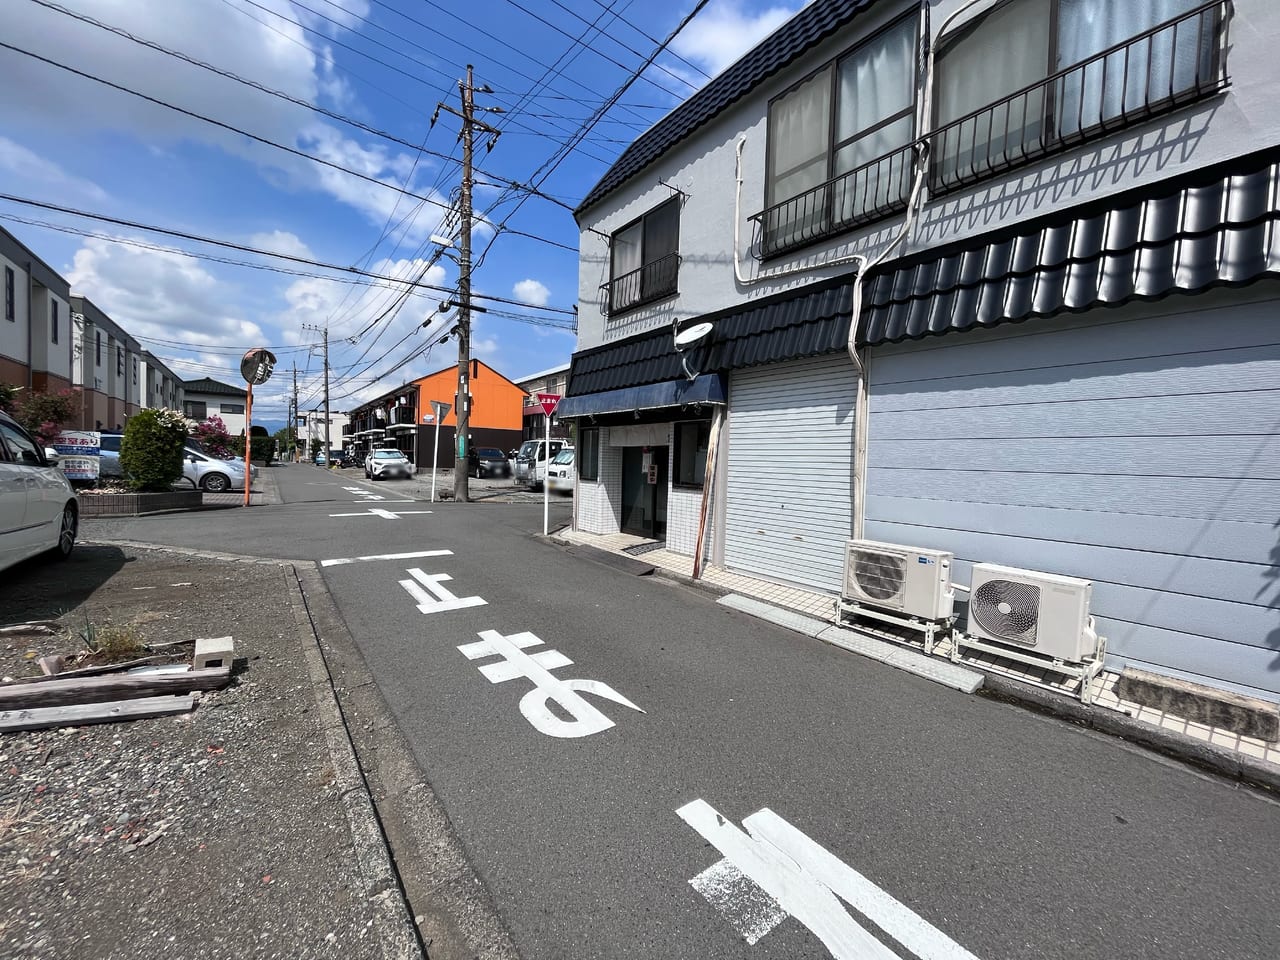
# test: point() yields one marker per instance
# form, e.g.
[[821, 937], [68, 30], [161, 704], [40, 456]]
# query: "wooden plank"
[[59, 691], [38, 718], [95, 670]]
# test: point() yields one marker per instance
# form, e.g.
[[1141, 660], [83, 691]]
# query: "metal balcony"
[[653, 281]]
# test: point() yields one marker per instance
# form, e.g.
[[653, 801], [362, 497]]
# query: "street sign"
[[549, 402], [441, 408]]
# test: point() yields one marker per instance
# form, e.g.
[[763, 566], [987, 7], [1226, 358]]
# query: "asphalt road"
[[1007, 833]]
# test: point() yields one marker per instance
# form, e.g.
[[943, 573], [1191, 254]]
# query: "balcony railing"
[[402, 415], [653, 281], [1171, 64], [865, 194], [348, 429]]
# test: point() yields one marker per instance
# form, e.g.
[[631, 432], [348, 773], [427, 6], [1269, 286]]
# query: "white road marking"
[[365, 493], [537, 667], [750, 910], [808, 882], [433, 598], [379, 512], [386, 556]]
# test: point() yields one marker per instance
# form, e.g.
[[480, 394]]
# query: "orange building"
[[404, 418]]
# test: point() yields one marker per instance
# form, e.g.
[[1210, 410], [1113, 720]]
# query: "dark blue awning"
[[708, 388]]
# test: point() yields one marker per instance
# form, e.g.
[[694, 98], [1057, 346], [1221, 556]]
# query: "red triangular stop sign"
[[549, 402]]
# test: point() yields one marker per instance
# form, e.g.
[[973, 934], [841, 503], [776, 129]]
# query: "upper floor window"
[[119, 361], [97, 356], [644, 259], [1030, 77], [10, 302], [232, 408], [839, 151], [53, 321], [195, 409]]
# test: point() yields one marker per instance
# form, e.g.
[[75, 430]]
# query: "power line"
[[220, 124], [652, 39], [244, 248]]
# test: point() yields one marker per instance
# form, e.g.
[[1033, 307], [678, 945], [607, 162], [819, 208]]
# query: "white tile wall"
[[599, 501]]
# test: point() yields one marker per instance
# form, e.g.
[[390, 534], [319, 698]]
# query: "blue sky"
[[385, 63]]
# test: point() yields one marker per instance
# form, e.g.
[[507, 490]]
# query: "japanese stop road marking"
[[806, 881]]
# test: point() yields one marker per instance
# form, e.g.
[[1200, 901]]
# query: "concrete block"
[[1241, 715], [213, 652]]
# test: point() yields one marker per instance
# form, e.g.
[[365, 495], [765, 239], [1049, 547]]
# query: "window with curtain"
[[644, 258], [588, 455], [1031, 76], [832, 168]]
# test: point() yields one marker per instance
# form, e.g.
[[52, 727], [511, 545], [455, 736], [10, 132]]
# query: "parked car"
[[213, 474], [487, 462], [39, 512], [561, 471], [320, 460], [531, 454], [109, 455], [382, 464]]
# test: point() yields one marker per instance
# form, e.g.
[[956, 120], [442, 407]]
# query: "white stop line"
[[773, 871], [379, 512]]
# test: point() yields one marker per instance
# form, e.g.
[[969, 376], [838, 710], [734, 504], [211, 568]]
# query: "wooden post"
[[708, 481]]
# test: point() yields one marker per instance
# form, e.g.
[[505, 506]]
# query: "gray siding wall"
[[1242, 119], [789, 505], [1137, 448]]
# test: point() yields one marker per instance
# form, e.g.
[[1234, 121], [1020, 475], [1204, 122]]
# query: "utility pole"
[[325, 332], [462, 400], [293, 417]]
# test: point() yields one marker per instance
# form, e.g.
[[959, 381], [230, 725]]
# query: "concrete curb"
[[1220, 760]]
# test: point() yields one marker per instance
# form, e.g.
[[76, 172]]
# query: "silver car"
[[213, 474], [39, 512], [382, 464]]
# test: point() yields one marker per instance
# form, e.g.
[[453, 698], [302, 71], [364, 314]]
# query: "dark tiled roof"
[[1216, 227], [782, 327], [810, 26], [215, 387]]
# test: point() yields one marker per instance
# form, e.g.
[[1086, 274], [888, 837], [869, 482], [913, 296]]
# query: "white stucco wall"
[[1240, 120]]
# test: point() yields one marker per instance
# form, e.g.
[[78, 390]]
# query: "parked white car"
[[560, 473], [532, 458], [213, 474], [39, 512], [382, 464]]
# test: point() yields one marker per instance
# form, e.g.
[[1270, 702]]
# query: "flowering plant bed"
[[131, 504]]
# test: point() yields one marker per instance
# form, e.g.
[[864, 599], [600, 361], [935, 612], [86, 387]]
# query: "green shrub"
[[262, 449], [151, 451]]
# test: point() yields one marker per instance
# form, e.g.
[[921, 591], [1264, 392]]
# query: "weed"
[[109, 641]]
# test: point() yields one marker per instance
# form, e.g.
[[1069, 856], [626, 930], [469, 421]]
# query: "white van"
[[531, 461]]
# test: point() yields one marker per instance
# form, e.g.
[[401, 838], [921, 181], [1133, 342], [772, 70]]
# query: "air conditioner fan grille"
[[1008, 609], [880, 576]]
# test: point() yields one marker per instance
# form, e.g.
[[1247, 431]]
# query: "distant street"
[[635, 771]]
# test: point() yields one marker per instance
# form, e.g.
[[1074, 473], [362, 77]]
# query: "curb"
[[1219, 760]]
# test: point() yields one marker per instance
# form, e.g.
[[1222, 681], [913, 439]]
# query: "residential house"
[[106, 367], [404, 418], [35, 327], [534, 424], [992, 277], [207, 397], [311, 431]]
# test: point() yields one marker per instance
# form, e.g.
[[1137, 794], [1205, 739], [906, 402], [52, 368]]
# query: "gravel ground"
[[217, 834]]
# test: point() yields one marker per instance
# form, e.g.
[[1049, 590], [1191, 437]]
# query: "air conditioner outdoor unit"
[[912, 581], [1042, 612]]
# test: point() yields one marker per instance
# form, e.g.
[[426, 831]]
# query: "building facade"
[[998, 278], [106, 367], [207, 397], [534, 425], [35, 326], [403, 418]]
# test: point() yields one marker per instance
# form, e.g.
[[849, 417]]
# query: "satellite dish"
[[691, 335]]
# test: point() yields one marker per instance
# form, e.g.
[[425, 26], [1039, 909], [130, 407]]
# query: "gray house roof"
[[215, 387], [809, 27], [1219, 226]]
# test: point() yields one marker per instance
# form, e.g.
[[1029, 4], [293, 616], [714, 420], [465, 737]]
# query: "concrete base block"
[[213, 652], [1216, 708]]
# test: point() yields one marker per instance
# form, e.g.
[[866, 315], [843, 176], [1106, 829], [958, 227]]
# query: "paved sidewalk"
[[822, 606]]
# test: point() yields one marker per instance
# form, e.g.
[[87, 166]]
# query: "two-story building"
[[993, 277], [106, 367], [161, 386], [207, 397], [534, 424], [404, 418], [35, 326]]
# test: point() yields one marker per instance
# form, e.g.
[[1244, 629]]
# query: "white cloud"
[[274, 52], [282, 241], [531, 291], [25, 166], [724, 31]]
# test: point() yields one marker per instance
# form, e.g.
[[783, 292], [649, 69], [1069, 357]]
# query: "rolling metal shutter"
[[788, 511], [1139, 451]]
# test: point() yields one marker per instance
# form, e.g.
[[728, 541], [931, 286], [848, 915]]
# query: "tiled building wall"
[[599, 500], [683, 504]]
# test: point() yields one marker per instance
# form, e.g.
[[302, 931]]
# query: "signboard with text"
[[549, 402], [79, 453]]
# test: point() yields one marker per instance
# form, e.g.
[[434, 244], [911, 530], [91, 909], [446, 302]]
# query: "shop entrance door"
[[644, 492]]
